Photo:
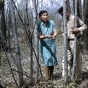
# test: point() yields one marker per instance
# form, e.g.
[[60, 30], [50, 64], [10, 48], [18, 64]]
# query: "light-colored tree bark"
[[23, 11], [68, 6], [17, 49], [36, 43], [75, 42], [65, 41], [73, 7], [83, 11]]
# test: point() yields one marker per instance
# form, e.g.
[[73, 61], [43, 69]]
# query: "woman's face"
[[44, 17]]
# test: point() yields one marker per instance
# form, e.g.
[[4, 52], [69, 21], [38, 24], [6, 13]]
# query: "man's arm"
[[81, 27]]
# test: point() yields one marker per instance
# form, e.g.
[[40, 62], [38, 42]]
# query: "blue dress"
[[47, 45]]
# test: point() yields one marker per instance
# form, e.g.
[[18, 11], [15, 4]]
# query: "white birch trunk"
[[65, 42], [18, 59], [75, 42], [73, 7], [36, 45]]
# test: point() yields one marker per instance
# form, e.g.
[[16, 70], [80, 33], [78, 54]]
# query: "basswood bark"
[[65, 41], [75, 42], [17, 50], [36, 44]]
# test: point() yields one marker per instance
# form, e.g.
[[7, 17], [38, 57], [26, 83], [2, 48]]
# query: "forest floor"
[[7, 81]]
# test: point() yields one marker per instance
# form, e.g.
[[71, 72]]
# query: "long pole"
[[65, 41], [75, 41]]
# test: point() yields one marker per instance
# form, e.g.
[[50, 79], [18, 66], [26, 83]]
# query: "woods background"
[[20, 57]]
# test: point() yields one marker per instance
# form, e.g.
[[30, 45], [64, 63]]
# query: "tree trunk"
[[8, 24], [2, 27], [65, 42], [2, 21], [83, 11], [18, 59], [79, 9], [73, 7], [68, 6], [86, 21], [75, 42], [36, 43], [23, 12]]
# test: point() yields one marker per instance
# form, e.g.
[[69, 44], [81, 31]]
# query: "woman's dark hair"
[[41, 12]]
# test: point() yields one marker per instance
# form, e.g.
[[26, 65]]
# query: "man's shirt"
[[71, 26]]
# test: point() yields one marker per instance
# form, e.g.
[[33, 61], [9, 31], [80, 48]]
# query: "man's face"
[[61, 13], [67, 14]]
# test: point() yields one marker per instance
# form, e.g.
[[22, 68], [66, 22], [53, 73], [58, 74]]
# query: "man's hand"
[[75, 30]]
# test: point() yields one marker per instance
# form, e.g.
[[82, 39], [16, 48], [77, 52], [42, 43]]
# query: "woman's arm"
[[54, 34], [40, 36]]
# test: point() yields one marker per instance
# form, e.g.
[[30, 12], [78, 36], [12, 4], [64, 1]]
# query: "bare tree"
[[68, 6], [2, 27], [83, 11], [73, 7], [18, 59], [79, 9], [86, 21], [65, 42], [75, 42], [36, 47], [2, 20]]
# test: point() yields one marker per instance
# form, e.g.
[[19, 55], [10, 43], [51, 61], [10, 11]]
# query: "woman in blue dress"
[[47, 33]]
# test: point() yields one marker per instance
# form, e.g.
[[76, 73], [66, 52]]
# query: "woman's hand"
[[50, 36], [53, 37], [47, 36]]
